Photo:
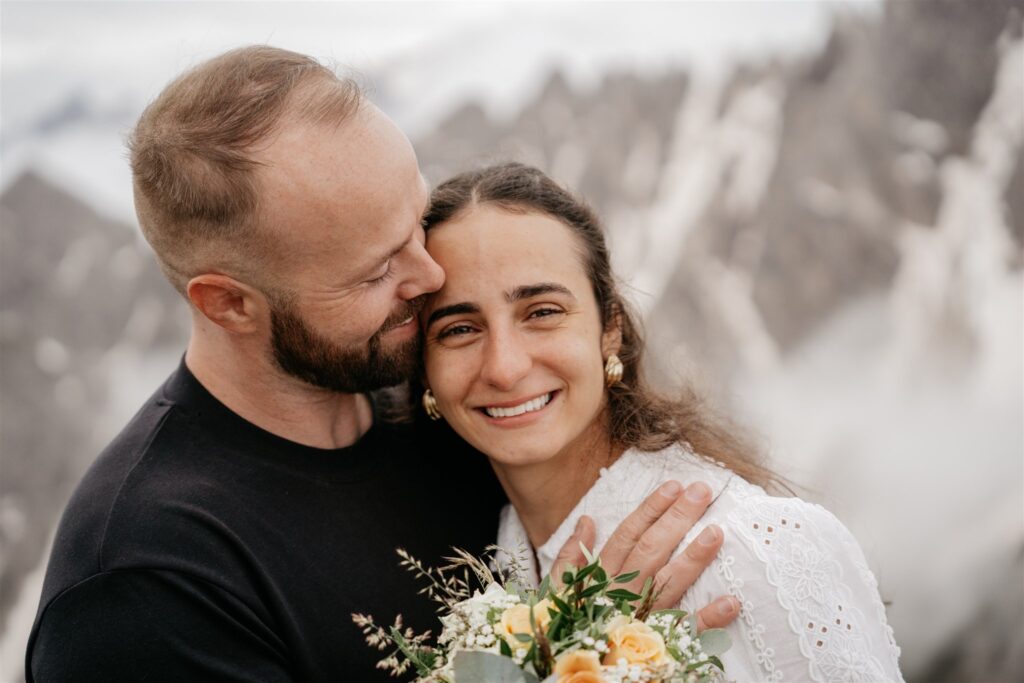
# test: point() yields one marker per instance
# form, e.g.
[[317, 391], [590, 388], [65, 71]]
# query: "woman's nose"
[[506, 361]]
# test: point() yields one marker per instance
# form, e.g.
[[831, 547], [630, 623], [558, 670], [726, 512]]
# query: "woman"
[[533, 357]]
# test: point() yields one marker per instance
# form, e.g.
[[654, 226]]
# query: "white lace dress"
[[810, 605]]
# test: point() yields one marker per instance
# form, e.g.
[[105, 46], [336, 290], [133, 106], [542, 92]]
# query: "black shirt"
[[200, 547]]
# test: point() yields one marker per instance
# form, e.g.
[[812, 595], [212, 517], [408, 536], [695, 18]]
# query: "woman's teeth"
[[528, 407]]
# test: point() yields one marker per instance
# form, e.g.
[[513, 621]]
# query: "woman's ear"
[[226, 302], [611, 339]]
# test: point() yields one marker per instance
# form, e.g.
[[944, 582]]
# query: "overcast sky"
[[419, 59], [493, 50]]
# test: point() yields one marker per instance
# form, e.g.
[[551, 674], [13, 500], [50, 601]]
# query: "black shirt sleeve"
[[141, 625]]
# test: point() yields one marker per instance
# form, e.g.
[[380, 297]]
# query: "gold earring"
[[430, 405], [613, 370]]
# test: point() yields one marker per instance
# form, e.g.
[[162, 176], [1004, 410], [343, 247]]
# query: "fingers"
[[676, 577], [719, 614], [655, 545], [630, 530], [571, 554]]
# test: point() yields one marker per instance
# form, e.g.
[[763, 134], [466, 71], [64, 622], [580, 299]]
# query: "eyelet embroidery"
[[755, 632], [809, 584]]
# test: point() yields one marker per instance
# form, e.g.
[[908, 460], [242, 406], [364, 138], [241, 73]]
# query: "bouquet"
[[584, 630]]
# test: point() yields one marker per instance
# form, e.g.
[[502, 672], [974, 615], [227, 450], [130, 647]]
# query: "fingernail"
[[708, 536], [698, 493], [726, 606], [670, 489]]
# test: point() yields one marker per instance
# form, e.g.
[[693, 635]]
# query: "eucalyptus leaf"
[[715, 641], [473, 667], [586, 571], [562, 606], [625, 578]]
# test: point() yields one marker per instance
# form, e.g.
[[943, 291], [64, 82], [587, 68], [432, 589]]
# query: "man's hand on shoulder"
[[645, 541]]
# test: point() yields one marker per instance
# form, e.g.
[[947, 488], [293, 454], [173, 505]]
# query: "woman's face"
[[514, 346]]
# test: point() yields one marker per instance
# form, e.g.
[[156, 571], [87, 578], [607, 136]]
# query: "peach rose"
[[634, 641], [516, 619], [582, 677], [579, 666]]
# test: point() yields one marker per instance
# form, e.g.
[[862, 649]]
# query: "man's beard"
[[304, 354]]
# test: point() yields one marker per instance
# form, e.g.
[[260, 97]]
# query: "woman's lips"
[[518, 412]]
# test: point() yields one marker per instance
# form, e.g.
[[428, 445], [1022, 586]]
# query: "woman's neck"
[[544, 493]]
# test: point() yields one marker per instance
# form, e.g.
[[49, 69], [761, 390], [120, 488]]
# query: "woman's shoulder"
[[736, 501], [678, 462], [770, 523], [797, 565]]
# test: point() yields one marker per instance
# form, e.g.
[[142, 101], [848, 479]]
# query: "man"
[[257, 499]]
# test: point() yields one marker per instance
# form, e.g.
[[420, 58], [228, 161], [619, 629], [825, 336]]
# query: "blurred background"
[[819, 207]]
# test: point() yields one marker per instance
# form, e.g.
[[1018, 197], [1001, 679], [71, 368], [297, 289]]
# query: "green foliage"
[[579, 610]]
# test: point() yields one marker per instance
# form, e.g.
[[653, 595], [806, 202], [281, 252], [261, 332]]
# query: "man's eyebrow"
[[529, 291], [454, 309]]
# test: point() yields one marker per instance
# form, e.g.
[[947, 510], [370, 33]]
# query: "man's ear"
[[226, 302], [611, 338]]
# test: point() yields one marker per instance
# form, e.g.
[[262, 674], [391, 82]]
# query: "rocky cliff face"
[[79, 294], [748, 210]]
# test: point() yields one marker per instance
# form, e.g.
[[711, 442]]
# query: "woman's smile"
[[519, 413]]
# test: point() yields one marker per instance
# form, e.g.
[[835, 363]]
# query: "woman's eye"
[[545, 312]]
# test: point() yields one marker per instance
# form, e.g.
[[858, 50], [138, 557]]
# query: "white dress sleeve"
[[811, 608]]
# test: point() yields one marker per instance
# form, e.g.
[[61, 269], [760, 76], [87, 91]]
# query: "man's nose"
[[425, 274], [506, 360]]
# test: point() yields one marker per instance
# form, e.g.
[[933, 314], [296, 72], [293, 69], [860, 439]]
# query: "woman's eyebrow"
[[518, 294], [528, 291], [453, 309]]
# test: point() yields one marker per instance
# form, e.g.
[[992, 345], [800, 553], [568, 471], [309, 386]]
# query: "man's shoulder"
[[91, 503], [122, 494]]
